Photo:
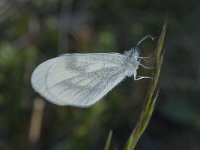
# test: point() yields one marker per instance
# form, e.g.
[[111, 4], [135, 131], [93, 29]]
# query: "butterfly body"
[[82, 79]]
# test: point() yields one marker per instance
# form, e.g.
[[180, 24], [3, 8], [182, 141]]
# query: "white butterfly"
[[82, 79]]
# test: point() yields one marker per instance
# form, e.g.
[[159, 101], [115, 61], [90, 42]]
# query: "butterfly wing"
[[79, 79]]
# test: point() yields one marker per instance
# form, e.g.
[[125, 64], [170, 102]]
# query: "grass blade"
[[150, 99], [108, 140]]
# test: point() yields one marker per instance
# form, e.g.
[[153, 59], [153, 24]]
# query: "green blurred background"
[[33, 31]]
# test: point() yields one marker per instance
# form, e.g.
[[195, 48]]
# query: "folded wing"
[[79, 79]]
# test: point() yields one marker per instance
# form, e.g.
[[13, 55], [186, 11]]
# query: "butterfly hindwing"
[[79, 79]]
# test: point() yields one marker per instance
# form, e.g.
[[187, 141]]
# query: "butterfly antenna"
[[145, 38]]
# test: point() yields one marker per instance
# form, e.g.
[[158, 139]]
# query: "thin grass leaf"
[[108, 140], [150, 99]]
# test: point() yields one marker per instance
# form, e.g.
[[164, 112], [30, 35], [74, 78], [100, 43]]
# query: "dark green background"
[[36, 30]]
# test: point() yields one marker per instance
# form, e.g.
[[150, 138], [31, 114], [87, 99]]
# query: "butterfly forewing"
[[79, 79]]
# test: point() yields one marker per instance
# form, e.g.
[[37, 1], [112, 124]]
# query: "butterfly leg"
[[146, 66], [142, 77]]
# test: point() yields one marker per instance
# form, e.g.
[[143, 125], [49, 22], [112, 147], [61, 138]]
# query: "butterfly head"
[[133, 61], [134, 54]]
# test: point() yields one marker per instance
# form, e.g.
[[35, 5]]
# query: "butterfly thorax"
[[132, 61]]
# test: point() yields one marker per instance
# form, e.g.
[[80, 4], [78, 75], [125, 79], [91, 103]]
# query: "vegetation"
[[36, 30]]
